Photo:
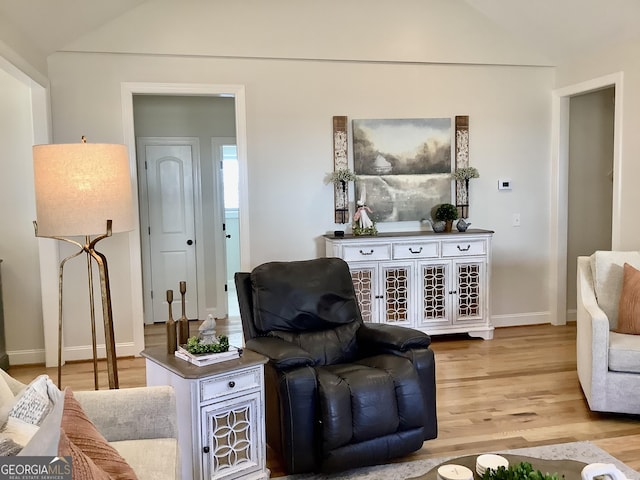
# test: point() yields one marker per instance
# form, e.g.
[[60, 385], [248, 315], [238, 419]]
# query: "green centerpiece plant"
[[518, 471], [195, 346], [446, 212]]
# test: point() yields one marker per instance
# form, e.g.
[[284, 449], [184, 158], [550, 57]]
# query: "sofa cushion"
[[624, 352], [629, 308], [83, 434], [607, 269], [302, 296], [152, 459]]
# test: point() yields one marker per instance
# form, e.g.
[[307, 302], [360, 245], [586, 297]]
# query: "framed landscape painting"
[[403, 166]]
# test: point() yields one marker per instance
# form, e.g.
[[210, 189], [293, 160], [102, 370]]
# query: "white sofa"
[[608, 362], [140, 423]]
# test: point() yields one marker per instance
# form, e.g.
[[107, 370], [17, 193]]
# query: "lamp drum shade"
[[79, 187]]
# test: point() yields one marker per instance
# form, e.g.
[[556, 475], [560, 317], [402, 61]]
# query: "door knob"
[[189, 242]]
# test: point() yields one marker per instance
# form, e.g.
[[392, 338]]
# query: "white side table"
[[221, 428]]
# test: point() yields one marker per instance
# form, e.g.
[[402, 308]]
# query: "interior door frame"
[[560, 184], [127, 91], [145, 244]]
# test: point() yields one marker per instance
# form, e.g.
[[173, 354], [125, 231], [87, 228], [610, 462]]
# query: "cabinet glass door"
[[396, 281], [434, 293], [363, 283], [469, 290]]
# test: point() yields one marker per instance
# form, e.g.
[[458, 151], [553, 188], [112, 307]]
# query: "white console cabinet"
[[221, 430], [434, 282]]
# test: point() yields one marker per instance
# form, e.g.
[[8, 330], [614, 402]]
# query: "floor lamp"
[[84, 190]]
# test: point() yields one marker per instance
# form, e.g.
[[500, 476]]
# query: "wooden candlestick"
[[183, 323], [172, 344]]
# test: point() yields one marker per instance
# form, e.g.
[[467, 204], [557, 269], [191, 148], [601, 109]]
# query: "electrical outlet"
[[515, 220]]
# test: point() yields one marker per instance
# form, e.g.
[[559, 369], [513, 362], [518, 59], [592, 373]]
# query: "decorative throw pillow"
[[33, 404], [629, 307], [80, 431], [28, 411], [83, 467]]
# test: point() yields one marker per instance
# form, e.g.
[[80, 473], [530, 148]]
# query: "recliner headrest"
[[303, 295]]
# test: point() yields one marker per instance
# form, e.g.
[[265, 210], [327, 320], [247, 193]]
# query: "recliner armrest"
[[282, 354], [385, 337]]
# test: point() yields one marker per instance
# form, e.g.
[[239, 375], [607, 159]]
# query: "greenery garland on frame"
[[341, 176], [465, 173]]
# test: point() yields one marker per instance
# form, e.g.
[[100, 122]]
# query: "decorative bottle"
[[172, 345], [183, 322]]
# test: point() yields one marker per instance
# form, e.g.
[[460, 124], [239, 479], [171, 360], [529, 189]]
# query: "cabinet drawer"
[[355, 253], [463, 248], [403, 251], [230, 384]]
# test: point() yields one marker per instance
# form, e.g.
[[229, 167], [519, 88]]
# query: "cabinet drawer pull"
[[205, 449], [464, 249], [415, 251], [232, 384], [370, 252]]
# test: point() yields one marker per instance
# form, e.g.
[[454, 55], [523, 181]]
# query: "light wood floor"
[[518, 390]]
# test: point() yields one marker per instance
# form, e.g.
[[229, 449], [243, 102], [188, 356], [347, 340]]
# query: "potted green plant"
[[448, 213]]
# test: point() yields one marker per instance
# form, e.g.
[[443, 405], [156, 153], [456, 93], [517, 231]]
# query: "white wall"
[[290, 105], [18, 244], [301, 63], [621, 58]]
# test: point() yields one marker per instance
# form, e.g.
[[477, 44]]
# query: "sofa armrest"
[[282, 354], [592, 337], [132, 413], [374, 338]]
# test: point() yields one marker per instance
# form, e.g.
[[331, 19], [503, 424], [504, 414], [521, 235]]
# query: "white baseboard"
[[520, 319], [25, 357], [83, 352]]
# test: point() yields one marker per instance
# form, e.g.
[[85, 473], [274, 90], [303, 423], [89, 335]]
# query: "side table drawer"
[[464, 248], [360, 253], [404, 251], [228, 384]]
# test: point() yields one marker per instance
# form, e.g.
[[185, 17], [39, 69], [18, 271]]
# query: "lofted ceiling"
[[557, 29]]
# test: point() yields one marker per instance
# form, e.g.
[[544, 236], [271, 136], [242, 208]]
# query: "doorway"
[[237, 94], [226, 154], [171, 244], [561, 98], [590, 190]]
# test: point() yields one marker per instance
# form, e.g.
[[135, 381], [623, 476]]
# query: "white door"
[[170, 229]]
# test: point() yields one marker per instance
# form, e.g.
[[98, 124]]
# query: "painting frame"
[[403, 166]]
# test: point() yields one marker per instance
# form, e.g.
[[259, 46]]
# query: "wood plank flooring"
[[518, 390]]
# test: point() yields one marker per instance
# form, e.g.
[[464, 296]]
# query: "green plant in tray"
[[195, 346], [518, 471]]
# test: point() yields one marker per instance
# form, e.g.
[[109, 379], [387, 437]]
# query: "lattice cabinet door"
[[365, 282], [230, 446], [434, 293], [394, 299], [469, 287]]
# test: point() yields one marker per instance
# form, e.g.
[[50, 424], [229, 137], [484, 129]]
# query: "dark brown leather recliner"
[[340, 393]]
